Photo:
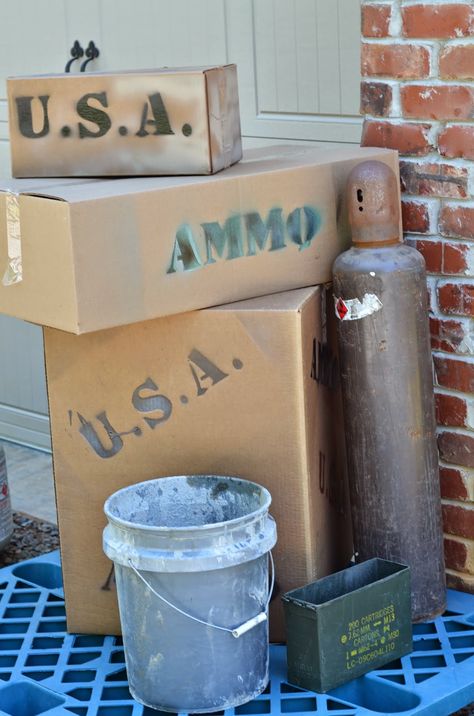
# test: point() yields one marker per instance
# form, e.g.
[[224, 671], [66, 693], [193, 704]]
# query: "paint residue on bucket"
[[193, 550]]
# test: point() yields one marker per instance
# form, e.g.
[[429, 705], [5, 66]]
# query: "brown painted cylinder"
[[386, 372]]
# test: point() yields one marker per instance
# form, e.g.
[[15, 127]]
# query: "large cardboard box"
[[88, 254], [247, 389], [167, 121]]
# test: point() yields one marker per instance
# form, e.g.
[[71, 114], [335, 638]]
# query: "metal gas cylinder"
[[380, 298], [6, 517]]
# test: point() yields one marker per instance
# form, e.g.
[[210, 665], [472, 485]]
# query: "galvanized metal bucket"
[[191, 564], [6, 515]]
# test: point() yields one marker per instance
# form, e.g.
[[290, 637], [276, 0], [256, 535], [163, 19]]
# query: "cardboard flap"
[[280, 309], [45, 188], [255, 161], [293, 300], [101, 73]]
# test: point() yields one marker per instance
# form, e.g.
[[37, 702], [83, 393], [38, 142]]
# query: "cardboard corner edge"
[[231, 124], [45, 330]]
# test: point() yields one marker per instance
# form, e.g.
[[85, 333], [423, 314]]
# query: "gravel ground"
[[31, 537]]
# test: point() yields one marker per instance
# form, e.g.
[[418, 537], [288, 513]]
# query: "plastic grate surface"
[[43, 670]]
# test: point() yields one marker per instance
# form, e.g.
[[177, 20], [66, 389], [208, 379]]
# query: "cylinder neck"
[[374, 205], [376, 244]]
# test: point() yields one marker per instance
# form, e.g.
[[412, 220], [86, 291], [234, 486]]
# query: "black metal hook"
[[91, 53], [76, 52]]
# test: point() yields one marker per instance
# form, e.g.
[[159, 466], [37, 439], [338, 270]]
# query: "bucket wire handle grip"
[[238, 631]]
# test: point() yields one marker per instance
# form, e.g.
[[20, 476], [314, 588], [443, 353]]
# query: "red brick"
[[455, 555], [416, 218], [447, 259], [443, 21], [456, 258], [432, 252], [452, 484], [408, 138], [457, 141], [446, 335], [462, 583], [375, 20], [454, 374], [457, 62], [458, 449], [398, 61], [456, 298], [457, 221], [433, 179], [458, 520], [375, 98], [459, 555], [437, 101], [450, 410]]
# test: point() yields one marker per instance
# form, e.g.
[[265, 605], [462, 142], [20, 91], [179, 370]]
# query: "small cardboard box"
[[167, 121], [86, 255], [347, 624], [247, 389]]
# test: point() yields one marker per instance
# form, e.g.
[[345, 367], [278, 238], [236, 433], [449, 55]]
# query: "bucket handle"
[[237, 631]]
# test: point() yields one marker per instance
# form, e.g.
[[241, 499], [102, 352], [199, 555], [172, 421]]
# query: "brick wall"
[[417, 95]]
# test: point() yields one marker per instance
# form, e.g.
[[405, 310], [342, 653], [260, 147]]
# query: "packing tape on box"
[[226, 126], [14, 271]]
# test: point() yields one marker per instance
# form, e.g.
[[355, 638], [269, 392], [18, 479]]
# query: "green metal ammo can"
[[347, 624]]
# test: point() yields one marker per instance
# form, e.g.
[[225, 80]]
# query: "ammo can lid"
[[373, 204]]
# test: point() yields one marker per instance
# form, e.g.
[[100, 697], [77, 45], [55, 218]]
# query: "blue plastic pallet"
[[43, 670]]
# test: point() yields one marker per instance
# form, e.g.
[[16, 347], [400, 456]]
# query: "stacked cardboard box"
[[248, 388], [153, 122], [85, 255]]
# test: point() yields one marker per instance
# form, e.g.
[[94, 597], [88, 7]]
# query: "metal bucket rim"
[[120, 522]]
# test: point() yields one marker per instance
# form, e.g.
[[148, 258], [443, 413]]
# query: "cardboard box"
[[246, 389], [86, 255], [167, 121]]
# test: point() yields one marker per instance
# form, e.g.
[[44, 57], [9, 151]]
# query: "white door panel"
[[155, 33], [298, 64]]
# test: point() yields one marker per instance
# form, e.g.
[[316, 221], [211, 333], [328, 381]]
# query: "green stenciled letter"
[[208, 369], [88, 432], [25, 116], [311, 228], [159, 121], [151, 403], [258, 231], [217, 238], [184, 251], [94, 115]]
